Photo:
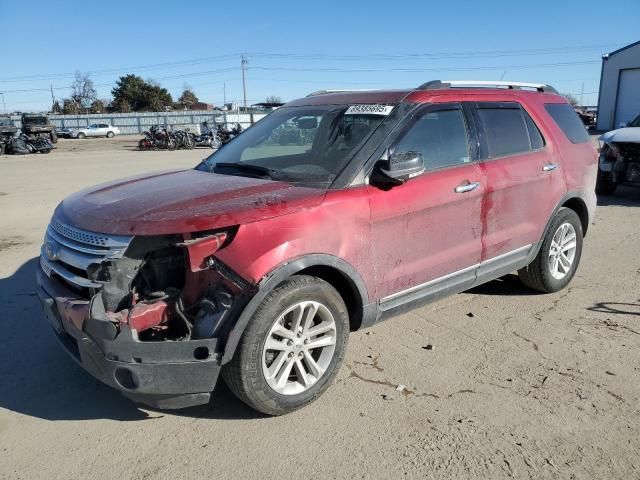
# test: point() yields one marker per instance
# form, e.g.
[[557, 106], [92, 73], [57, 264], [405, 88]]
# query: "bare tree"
[[573, 101], [82, 90], [273, 99]]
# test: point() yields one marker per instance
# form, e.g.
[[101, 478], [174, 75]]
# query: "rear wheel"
[[291, 351], [605, 184], [559, 255], [109, 134], [171, 144]]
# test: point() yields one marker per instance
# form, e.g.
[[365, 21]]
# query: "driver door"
[[427, 232]]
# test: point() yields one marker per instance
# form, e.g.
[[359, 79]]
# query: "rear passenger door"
[[426, 233], [524, 183]]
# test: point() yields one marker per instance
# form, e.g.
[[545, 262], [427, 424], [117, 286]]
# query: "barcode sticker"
[[369, 110]]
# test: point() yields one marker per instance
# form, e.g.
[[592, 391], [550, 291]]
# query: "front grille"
[[67, 253]]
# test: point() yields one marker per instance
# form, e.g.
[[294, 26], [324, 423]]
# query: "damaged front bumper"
[[161, 374]]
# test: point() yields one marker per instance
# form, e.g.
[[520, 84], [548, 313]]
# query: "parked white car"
[[95, 130], [619, 162]]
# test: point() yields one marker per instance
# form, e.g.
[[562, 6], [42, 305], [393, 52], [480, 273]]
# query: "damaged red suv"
[[334, 212]]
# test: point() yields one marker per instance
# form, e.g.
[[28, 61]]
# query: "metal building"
[[619, 97]]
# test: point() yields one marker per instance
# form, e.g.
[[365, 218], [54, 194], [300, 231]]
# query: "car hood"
[[629, 134], [181, 201]]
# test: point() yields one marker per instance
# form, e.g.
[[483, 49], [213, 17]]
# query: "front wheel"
[[559, 256], [291, 351], [81, 135]]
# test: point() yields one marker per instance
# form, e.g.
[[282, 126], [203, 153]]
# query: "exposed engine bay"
[[622, 160], [166, 288]]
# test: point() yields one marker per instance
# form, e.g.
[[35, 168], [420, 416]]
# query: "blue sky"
[[297, 47]]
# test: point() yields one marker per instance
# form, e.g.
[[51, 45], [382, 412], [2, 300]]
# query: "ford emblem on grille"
[[51, 251]]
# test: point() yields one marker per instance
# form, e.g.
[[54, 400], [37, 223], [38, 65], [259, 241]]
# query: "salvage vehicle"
[[95, 130], [34, 126], [619, 162], [7, 132], [257, 263]]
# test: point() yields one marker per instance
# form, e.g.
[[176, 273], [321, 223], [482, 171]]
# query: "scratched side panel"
[[340, 226]]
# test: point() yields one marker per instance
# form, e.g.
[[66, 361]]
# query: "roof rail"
[[444, 84], [328, 92]]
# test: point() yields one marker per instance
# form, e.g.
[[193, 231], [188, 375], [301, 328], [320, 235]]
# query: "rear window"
[[505, 129], [567, 119]]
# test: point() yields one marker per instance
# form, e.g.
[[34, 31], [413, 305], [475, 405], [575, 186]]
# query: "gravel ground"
[[500, 381]]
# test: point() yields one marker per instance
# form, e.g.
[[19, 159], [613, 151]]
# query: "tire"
[[189, 144], [81, 136], [171, 144], [539, 274], [605, 184], [110, 134], [2, 147], [216, 143], [247, 373], [54, 137]]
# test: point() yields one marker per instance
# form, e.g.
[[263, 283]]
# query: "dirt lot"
[[501, 382]]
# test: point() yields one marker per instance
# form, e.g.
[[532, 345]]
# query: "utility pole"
[[53, 99], [4, 107], [582, 95], [244, 80], [224, 93]]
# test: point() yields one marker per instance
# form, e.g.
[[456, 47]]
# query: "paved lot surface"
[[501, 382]]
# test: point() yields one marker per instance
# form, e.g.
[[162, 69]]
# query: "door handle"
[[549, 167], [467, 187]]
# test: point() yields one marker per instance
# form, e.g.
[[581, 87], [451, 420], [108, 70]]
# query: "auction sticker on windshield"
[[369, 110]]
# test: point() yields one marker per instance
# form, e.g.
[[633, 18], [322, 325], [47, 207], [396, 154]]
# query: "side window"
[[440, 136], [567, 119], [505, 129], [535, 136], [103, 125]]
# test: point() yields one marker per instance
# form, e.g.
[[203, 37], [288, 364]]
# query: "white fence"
[[138, 122]]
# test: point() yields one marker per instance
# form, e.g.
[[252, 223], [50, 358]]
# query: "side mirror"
[[623, 125], [401, 166]]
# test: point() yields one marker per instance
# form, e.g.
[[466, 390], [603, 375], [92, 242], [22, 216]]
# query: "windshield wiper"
[[246, 167]]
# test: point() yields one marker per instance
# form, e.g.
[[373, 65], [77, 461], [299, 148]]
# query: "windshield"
[[635, 122], [309, 145], [36, 120]]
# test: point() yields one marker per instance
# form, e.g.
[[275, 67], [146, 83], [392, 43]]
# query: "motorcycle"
[[23, 144], [183, 139], [210, 140], [157, 138], [227, 135]]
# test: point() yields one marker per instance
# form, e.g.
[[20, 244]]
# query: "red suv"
[[334, 212]]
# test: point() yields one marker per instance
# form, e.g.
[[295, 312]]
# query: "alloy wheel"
[[299, 348], [562, 251]]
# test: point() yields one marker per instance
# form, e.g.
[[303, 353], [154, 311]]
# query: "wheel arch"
[[578, 205], [335, 271]]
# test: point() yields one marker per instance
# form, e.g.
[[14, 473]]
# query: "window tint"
[[505, 130], [534, 133], [440, 136], [567, 119], [103, 125]]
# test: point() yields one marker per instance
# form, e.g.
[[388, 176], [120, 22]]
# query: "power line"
[[325, 56]]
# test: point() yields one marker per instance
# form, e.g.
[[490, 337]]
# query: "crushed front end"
[[621, 162], [143, 314]]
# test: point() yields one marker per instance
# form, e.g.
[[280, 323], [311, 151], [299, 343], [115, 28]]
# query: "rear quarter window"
[[567, 119]]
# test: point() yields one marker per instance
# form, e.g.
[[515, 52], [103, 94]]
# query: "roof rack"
[[328, 92], [444, 84]]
